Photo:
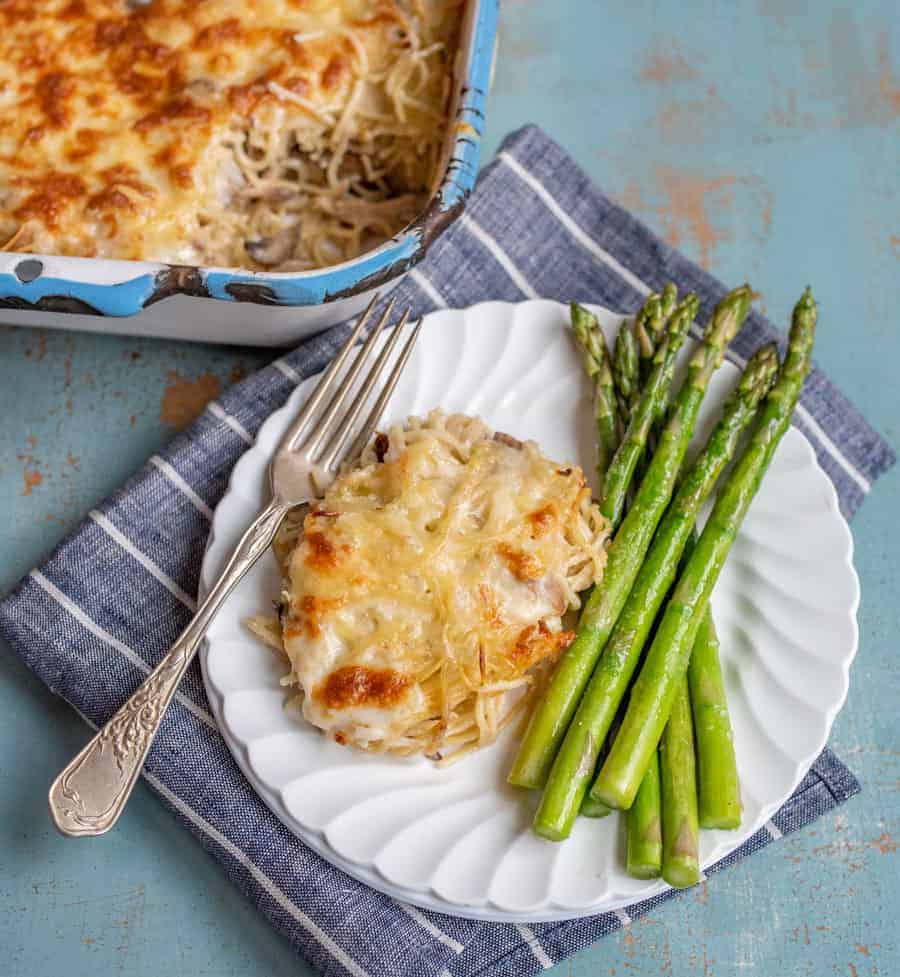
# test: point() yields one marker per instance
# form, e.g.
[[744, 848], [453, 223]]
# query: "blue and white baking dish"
[[144, 298]]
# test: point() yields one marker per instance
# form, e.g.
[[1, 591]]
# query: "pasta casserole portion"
[[264, 134], [428, 587]]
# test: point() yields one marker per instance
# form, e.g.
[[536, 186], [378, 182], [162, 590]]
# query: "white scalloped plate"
[[458, 840]]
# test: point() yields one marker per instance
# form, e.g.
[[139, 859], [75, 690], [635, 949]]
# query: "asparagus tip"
[[760, 372], [806, 299]]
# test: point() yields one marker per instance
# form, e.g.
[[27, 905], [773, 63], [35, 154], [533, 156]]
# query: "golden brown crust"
[[358, 685], [542, 520], [537, 642], [321, 555], [522, 565], [48, 196]]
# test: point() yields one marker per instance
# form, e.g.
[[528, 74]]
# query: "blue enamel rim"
[[371, 270]]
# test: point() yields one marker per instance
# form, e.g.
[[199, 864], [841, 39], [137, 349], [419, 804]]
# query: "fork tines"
[[325, 443]]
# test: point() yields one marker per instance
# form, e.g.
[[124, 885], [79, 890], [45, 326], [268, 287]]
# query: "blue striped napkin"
[[536, 226]]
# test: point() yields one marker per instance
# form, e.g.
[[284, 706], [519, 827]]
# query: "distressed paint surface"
[[763, 140]]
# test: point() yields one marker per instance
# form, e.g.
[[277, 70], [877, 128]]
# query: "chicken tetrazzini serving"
[[428, 587]]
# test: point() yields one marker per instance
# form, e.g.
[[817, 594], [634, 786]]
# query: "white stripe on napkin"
[[287, 370], [428, 288], [534, 944], [833, 449], [181, 485], [107, 638], [144, 560], [588, 243], [818, 434], [830, 447], [501, 257], [774, 830], [218, 411], [622, 917], [429, 927]]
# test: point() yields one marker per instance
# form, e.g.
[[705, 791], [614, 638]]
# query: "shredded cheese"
[[266, 135], [428, 587]]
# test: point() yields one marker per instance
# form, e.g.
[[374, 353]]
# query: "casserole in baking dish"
[[318, 149]]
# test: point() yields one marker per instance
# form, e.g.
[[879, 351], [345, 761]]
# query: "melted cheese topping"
[[280, 134], [431, 580]]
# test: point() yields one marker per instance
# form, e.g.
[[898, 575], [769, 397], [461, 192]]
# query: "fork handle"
[[90, 793]]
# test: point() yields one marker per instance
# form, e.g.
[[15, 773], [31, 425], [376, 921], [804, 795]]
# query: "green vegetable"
[[651, 322], [606, 690], [667, 660], [554, 711], [720, 791], [678, 777], [646, 326], [621, 469], [625, 371], [643, 828], [656, 324], [668, 299], [598, 365]]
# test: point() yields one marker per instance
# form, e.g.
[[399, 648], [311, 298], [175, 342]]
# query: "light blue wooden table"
[[762, 138]]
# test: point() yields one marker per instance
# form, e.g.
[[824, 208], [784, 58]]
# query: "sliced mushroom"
[[275, 249]]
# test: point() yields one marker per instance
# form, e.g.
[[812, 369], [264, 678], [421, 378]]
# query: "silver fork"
[[90, 793]]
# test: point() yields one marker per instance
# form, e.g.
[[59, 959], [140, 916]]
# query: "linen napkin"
[[535, 226]]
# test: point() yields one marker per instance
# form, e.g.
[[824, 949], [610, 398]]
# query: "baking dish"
[[220, 305]]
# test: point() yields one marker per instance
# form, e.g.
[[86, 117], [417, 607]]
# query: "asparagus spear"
[[667, 659], [554, 711], [621, 468], [644, 832], [598, 365], [625, 371], [720, 792], [644, 829], [650, 324], [630, 351], [645, 328], [668, 299], [568, 780], [656, 325], [680, 830], [627, 384]]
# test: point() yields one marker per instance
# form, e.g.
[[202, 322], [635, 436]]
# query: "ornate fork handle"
[[90, 793]]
